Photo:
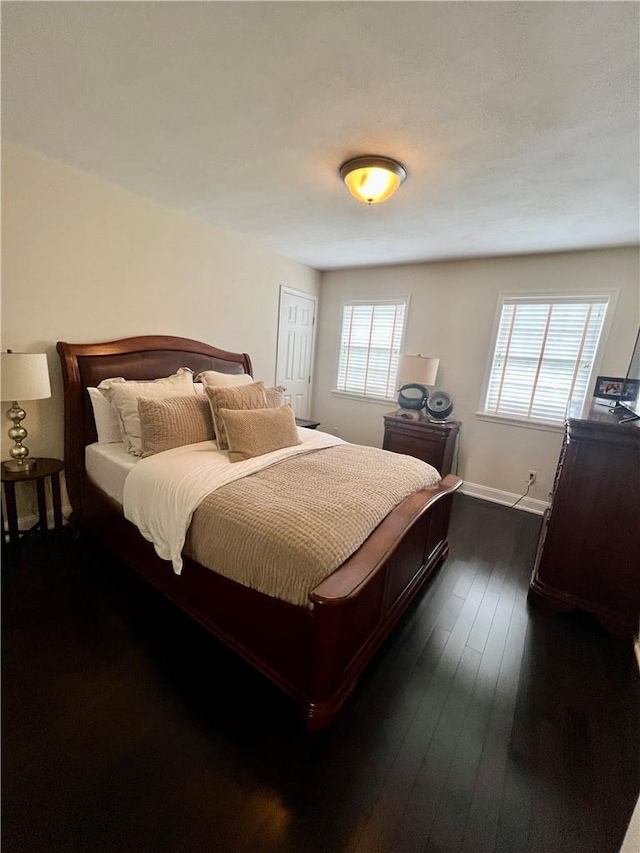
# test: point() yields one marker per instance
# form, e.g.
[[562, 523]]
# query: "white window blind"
[[370, 348], [543, 356]]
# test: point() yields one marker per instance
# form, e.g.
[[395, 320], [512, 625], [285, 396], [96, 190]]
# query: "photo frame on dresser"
[[616, 389]]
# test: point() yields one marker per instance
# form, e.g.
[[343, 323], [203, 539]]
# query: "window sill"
[[362, 398], [527, 423]]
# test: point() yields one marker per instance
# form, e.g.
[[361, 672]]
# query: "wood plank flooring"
[[482, 725]]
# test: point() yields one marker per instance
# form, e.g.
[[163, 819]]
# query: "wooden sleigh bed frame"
[[315, 654]]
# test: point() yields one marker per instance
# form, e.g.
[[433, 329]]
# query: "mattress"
[[107, 467], [108, 464], [281, 526]]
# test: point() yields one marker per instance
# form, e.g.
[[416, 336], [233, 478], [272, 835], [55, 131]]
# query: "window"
[[370, 344], [544, 356]]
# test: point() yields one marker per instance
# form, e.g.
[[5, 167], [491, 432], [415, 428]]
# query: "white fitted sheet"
[[107, 467]]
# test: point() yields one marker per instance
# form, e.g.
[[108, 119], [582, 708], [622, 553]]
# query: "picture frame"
[[616, 389]]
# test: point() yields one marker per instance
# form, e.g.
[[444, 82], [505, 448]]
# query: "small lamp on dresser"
[[415, 372], [25, 376]]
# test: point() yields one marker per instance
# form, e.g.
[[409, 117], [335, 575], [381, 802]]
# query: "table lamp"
[[25, 376], [416, 372]]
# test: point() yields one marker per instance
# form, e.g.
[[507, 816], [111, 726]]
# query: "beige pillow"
[[173, 421], [214, 379], [243, 397], [275, 396], [123, 396], [254, 432]]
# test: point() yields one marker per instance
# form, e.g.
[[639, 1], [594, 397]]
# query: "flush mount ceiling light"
[[372, 179]]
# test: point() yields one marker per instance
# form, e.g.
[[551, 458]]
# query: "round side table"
[[39, 472]]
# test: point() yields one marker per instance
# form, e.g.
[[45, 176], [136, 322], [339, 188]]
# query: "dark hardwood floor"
[[483, 724]]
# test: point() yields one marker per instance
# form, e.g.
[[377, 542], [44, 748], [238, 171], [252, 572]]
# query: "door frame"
[[284, 288]]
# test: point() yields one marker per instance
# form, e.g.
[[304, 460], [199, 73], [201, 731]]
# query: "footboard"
[[314, 655], [358, 605]]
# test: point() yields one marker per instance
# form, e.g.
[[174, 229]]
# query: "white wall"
[[451, 316], [86, 261]]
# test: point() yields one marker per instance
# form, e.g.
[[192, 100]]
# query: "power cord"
[[522, 497]]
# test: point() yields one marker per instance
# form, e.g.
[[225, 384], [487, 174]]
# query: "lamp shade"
[[418, 369], [25, 376]]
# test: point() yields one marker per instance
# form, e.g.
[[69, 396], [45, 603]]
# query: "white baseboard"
[[26, 522], [474, 490], [498, 496]]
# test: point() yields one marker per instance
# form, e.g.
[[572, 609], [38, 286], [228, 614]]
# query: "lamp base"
[[18, 466], [413, 402]]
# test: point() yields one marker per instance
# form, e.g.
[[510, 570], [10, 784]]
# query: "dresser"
[[416, 435], [589, 549]]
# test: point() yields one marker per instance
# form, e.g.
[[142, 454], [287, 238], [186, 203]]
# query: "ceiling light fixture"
[[372, 179]]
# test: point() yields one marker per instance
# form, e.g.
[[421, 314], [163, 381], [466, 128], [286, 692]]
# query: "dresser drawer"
[[432, 442]]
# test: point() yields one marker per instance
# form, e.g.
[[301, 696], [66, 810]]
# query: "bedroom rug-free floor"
[[482, 725]]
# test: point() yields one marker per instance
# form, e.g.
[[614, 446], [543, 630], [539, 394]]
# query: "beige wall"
[[451, 316], [86, 261]]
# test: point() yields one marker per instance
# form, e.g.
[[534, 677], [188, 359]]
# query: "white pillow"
[[106, 418], [123, 395], [213, 379]]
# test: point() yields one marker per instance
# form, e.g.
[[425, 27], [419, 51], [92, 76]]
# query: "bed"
[[316, 652]]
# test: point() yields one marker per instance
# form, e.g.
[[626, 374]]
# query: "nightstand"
[[41, 470], [416, 435], [303, 422]]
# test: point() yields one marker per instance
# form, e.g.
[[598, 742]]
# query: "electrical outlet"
[[531, 477]]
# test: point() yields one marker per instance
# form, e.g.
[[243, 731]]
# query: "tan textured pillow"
[[275, 396], [123, 396], [242, 397], [254, 432], [173, 422], [214, 379]]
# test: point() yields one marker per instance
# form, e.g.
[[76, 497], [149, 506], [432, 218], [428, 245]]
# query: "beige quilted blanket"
[[285, 529]]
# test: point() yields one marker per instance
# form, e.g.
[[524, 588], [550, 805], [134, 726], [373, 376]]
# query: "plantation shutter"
[[544, 355], [370, 348]]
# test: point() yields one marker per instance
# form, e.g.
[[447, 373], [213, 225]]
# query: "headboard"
[[147, 357]]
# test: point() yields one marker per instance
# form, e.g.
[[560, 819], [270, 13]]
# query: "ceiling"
[[518, 122]]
